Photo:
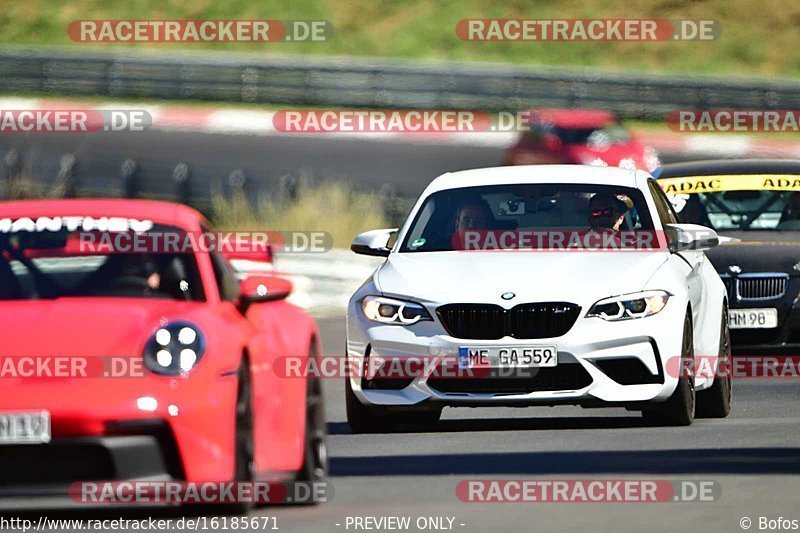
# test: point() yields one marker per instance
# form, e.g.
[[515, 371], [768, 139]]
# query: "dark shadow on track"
[[128, 512], [687, 461], [511, 424], [104, 513]]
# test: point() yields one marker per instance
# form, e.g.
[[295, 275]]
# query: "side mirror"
[[690, 237], [260, 288], [373, 242]]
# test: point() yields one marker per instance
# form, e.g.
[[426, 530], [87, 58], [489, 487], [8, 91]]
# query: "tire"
[[417, 419], [679, 408], [315, 450], [715, 402], [366, 419], [244, 445], [363, 418]]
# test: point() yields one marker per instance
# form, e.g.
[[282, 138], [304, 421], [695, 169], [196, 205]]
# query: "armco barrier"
[[380, 83]]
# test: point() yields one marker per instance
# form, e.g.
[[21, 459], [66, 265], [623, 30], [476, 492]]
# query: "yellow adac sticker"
[[733, 182]]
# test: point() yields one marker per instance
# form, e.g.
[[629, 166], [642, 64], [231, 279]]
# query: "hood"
[[90, 327], [758, 251], [611, 154], [481, 277]]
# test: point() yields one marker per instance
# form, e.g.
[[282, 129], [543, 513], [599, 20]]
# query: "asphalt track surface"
[[368, 164], [753, 455], [264, 160]]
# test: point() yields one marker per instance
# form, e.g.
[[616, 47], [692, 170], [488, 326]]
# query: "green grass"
[[759, 37]]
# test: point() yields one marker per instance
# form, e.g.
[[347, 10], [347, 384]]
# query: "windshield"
[[736, 203], [520, 207], [53, 264]]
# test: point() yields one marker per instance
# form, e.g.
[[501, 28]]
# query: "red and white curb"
[[239, 121], [720, 145]]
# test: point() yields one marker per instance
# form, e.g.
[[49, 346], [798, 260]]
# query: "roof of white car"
[[537, 174]]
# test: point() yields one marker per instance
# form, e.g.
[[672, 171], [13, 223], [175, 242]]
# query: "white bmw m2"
[[538, 285]]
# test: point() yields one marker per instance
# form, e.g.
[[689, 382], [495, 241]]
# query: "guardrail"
[[323, 81]]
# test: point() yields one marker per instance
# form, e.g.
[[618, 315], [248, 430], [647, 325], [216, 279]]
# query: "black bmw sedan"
[[754, 205]]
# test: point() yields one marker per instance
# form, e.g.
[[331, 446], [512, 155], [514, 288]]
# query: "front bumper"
[[755, 341], [600, 363], [191, 419], [45, 475], [763, 341]]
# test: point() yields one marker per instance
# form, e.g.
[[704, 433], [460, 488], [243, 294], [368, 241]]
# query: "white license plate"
[[507, 356], [25, 427], [766, 317]]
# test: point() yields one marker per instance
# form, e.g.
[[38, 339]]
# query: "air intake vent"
[[525, 321]]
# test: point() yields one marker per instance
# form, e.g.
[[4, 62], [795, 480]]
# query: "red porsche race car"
[[581, 137], [145, 363]]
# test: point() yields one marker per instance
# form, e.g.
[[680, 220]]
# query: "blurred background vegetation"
[[758, 38]]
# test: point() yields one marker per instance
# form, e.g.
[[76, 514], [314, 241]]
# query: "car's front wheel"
[[679, 408], [366, 419], [418, 418], [315, 449], [363, 418], [243, 443], [715, 402]]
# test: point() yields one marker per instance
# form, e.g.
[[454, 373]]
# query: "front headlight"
[[391, 311], [174, 349], [628, 306]]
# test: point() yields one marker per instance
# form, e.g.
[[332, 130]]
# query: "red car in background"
[[204, 404], [579, 136]]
